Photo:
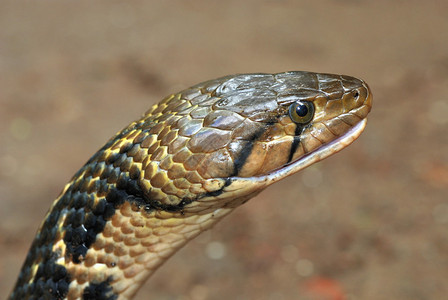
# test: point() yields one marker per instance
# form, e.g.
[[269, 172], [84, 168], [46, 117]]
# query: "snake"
[[188, 162]]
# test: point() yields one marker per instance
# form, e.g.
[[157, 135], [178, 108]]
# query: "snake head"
[[233, 136]]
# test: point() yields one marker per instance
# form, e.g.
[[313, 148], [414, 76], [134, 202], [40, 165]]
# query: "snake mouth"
[[320, 153], [253, 185], [248, 185]]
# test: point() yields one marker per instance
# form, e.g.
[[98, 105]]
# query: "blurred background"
[[368, 223]]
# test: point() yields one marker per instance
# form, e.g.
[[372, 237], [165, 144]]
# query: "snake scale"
[[184, 165]]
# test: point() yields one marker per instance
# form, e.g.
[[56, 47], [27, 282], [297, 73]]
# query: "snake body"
[[188, 162]]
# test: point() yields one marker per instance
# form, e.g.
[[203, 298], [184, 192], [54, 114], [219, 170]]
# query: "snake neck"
[[130, 247], [133, 244]]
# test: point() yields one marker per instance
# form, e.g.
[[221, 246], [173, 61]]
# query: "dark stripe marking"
[[245, 152], [99, 291], [295, 142], [84, 223], [51, 280]]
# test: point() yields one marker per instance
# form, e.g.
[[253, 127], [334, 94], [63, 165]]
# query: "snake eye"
[[301, 112]]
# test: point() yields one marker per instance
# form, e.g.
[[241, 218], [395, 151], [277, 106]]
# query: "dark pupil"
[[302, 110]]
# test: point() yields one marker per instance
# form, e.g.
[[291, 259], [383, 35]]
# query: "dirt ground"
[[368, 223]]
